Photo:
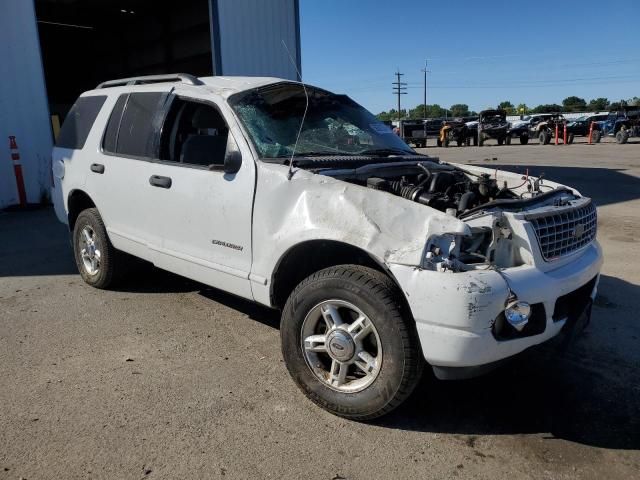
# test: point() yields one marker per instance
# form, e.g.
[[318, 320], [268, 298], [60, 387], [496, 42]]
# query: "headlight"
[[456, 252], [517, 314]]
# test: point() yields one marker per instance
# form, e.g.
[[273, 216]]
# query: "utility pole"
[[425, 71], [399, 88], [424, 107]]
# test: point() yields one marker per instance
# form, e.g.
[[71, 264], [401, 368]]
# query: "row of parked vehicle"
[[620, 124]]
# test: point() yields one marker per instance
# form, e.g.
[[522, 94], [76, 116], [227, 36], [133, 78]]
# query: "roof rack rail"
[[170, 77]]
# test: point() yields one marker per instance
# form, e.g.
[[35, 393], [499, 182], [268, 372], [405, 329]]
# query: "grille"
[[565, 232]]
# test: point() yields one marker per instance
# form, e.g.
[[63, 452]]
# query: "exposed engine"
[[443, 189]]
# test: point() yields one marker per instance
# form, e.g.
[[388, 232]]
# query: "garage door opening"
[[85, 42]]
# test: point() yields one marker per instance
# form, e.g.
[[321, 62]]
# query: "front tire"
[[349, 342], [524, 139], [98, 262]]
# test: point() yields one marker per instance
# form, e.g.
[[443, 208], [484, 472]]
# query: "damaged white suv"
[[381, 260]]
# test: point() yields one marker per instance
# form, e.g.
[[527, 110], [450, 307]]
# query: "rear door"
[[198, 216], [119, 174]]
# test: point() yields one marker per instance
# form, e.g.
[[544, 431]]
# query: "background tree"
[[617, 105], [392, 114], [459, 110], [574, 104], [547, 108], [635, 101], [598, 104], [508, 107]]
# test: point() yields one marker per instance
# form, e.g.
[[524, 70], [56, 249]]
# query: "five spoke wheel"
[[89, 250], [341, 346]]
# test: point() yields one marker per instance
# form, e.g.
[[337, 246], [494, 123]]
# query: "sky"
[[478, 52]]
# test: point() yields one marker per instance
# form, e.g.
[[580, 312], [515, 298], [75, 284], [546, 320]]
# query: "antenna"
[[304, 115]]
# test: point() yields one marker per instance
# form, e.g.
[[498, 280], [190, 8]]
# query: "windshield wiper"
[[385, 152]]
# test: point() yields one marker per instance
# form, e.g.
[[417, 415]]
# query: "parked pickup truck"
[[581, 126], [381, 261]]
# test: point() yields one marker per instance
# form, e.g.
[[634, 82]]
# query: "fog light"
[[517, 314]]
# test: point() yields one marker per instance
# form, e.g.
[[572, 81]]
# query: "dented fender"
[[316, 207]]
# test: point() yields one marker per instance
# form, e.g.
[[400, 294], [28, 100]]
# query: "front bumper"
[[455, 312]]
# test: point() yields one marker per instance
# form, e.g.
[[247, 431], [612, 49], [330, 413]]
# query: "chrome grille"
[[560, 233]]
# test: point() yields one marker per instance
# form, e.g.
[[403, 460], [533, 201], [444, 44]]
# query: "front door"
[[199, 217]]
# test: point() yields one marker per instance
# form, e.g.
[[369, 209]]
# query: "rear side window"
[[77, 125], [136, 135], [132, 132]]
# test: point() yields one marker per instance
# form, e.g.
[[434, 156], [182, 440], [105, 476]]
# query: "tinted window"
[[137, 133], [111, 133], [76, 126]]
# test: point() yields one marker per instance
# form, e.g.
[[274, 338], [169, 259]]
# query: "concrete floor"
[[166, 378]]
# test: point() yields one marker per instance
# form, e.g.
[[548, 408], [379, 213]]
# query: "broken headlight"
[[457, 252]]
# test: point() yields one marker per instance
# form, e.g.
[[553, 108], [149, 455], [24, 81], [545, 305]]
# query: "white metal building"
[[52, 50]]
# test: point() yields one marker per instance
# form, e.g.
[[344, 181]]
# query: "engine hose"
[[465, 199], [409, 192]]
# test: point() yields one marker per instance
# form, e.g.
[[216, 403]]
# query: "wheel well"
[[78, 201], [308, 257]]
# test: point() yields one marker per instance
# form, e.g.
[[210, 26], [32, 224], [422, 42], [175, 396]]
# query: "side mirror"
[[232, 161]]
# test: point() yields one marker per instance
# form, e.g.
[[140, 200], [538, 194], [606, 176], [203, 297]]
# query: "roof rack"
[[170, 77]]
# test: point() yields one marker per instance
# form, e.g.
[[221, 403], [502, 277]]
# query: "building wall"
[[248, 35], [24, 112]]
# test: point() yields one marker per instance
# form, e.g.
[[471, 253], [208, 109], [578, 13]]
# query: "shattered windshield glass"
[[334, 125]]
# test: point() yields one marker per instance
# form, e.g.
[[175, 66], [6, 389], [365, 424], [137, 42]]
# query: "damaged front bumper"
[[455, 313]]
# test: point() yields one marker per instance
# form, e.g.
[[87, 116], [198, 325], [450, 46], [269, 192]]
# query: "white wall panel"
[[251, 34], [24, 111]]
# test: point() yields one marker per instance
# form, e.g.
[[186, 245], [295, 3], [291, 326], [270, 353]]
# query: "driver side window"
[[194, 133]]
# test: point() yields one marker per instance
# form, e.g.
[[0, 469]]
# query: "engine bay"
[[441, 186]]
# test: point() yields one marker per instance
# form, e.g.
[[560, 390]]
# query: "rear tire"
[[99, 263], [507, 140], [334, 300], [570, 138], [622, 137], [544, 138], [524, 139], [500, 141]]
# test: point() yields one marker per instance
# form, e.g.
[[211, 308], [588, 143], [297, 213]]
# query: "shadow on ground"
[[588, 395], [604, 185]]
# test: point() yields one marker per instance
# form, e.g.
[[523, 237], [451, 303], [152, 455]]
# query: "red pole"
[[17, 170], [564, 134], [556, 133], [590, 132]]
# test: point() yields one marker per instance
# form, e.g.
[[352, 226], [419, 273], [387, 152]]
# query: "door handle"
[[97, 168], [158, 181]]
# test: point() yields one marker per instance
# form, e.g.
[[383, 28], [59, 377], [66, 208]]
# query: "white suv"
[[380, 259]]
